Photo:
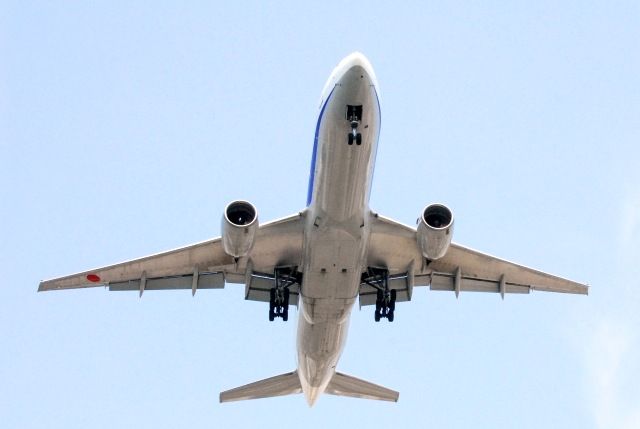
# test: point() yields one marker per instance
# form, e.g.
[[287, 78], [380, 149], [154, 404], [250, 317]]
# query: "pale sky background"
[[125, 129]]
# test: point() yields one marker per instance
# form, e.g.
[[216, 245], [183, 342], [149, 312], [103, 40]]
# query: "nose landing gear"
[[354, 135], [354, 116]]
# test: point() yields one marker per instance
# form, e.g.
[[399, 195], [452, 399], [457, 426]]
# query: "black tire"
[[358, 139], [271, 315], [392, 304], [376, 316], [350, 139], [285, 315], [390, 316], [286, 298]]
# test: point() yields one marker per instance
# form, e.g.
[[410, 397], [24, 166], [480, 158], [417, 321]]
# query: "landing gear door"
[[259, 285], [402, 283]]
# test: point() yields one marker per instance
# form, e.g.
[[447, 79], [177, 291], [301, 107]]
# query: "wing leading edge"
[[394, 246]]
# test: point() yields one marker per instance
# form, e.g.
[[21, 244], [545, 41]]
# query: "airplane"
[[332, 253]]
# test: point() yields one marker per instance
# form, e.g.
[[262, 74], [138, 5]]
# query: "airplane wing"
[[199, 266], [394, 246]]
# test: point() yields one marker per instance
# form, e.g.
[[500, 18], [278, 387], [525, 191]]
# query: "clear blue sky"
[[125, 129]]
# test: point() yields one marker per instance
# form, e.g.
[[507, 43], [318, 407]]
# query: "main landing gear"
[[354, 115], [278, 304], [385, 297], [385, 305], [279, 295]]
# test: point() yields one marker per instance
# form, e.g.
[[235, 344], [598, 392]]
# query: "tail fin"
[[280, 385], [345, 385]]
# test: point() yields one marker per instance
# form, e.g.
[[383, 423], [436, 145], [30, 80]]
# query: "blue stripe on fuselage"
[[312, 174], [375, 91]]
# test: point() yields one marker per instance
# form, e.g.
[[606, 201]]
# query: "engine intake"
[[239, 226], [435, 229]]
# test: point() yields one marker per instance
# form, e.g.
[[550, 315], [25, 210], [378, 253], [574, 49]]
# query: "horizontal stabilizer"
[[280, 385], [345, 385]]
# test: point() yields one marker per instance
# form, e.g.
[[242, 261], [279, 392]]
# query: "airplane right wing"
[[201, 266], [394, 246]]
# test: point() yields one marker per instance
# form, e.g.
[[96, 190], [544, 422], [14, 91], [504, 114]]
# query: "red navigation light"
[[93, 278]]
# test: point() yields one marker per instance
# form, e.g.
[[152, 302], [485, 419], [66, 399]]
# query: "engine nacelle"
[[435, 228], [239, 226]]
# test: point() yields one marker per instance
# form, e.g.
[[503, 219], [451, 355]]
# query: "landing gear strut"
[[279, 295], [385, 297]]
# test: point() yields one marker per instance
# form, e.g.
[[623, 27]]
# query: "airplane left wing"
[[203, 265], [393, 246]]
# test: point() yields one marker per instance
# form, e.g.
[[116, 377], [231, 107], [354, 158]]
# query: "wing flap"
[[204, 280], [447, 282]]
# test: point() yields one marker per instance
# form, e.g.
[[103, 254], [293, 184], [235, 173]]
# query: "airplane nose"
[[357, 59], [357, 66]]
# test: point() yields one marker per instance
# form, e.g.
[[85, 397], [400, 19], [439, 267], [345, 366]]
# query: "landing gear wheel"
[[385, 297], [350, 139], [280, 292], [358, 139]]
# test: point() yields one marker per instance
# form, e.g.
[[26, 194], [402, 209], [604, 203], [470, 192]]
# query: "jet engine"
[[239, 226], [435, 228]]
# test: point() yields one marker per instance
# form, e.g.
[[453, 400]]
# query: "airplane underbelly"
[[332, 268], [336, 236], [329, 290], [344, 176], [344, 167], [319, 348]]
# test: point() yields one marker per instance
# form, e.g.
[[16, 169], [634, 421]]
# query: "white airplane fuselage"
[[318, 256], [337, 229]]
